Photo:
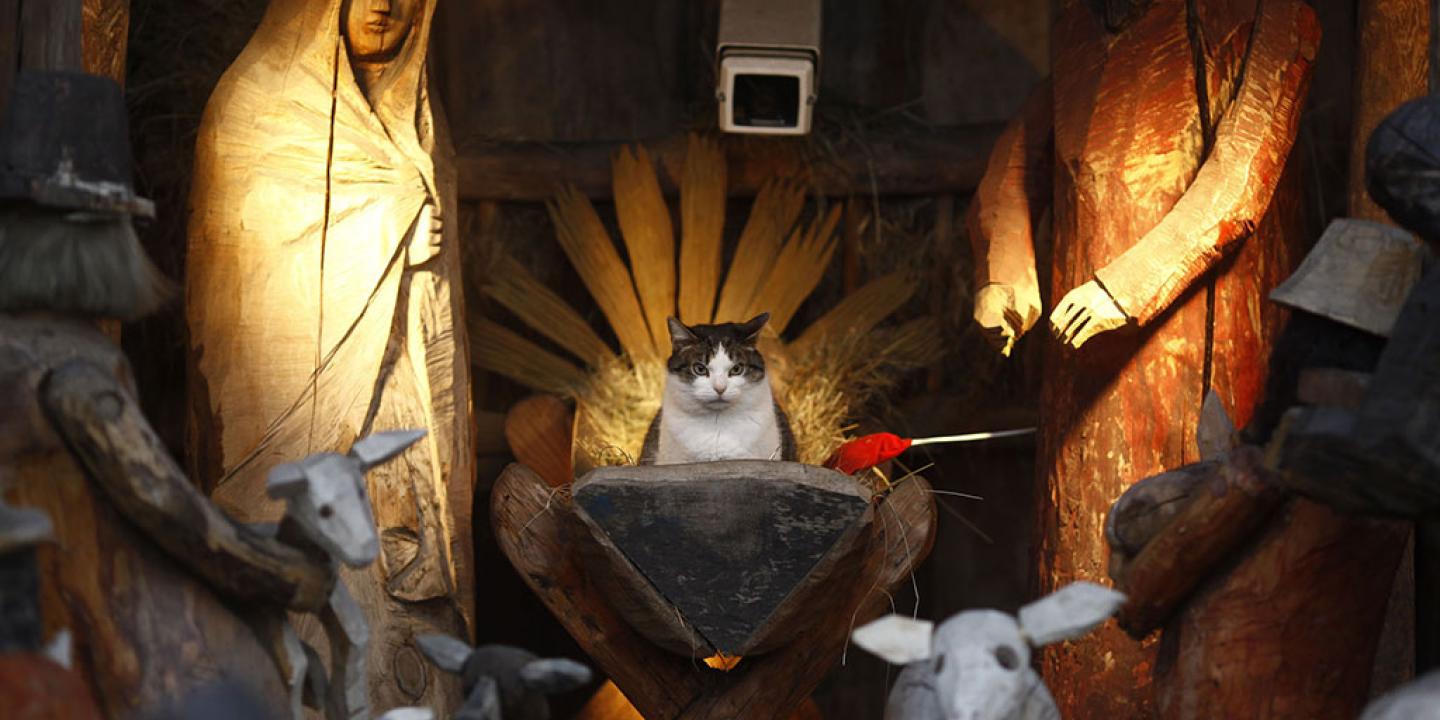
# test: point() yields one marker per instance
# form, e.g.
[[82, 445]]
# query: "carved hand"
[[1085, 312], [1004, 313], [429, 231]]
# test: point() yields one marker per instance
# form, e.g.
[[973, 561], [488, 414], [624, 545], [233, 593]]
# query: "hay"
[[840, 376], [615, 406], [829, 388], [593, 255], [649, 238], [536, 305], [702, 220], [776, 208]]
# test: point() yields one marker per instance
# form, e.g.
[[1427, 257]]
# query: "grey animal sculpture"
[[976, 665], [1415, 700], [503, 682], [328, 514]]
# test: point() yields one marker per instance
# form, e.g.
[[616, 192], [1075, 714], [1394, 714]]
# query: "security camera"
[[769, 52]]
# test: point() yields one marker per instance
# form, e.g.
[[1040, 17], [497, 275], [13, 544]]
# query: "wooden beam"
[[949, 160]]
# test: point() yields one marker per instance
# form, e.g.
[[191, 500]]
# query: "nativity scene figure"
[[323, 302]]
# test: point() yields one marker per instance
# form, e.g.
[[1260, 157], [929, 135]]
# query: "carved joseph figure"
[[323, 297]]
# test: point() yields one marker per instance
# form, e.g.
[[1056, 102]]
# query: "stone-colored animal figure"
[[976, 665], [1417, 700], [327, 513], [503, 682]]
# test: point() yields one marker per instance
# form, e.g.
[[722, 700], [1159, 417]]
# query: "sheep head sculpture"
[[976, 665], [325, 495]]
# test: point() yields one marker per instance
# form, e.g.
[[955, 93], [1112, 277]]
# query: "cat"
[[717, 403]]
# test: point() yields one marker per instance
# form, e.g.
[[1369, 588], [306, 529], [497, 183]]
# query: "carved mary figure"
[[323, 298]]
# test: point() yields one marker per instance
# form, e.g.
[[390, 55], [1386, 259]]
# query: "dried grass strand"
[[593, 255], [536, 305], [702, 222], [496, 348], [649, 238], [774, 212]]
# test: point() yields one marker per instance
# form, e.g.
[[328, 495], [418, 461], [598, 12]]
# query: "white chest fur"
[[693, 430]]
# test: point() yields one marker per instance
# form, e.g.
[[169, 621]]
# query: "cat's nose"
[[719, 386]]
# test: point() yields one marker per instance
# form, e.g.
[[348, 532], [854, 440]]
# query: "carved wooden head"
[[376, 30]]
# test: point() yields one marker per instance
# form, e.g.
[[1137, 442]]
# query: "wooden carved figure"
[[1157, 145], [976, 665], [145, 628], [323, 300]]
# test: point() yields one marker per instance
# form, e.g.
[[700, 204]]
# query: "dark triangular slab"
[[724, 543]]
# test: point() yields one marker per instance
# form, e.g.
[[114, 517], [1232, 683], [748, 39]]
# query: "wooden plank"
[[948, 160], [1392, 66]]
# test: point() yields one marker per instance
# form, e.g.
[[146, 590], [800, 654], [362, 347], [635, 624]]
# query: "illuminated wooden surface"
[[323, 302], [1151, 186]]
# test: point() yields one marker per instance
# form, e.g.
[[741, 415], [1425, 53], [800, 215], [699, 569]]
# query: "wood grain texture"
[[1131, 140], [1232, 503], [593, 255], [539, 430], [725, 557], [1391, 67], [145, 628], [324, 301], [102, 426], [105, 37], [535, 530], [948, 159]]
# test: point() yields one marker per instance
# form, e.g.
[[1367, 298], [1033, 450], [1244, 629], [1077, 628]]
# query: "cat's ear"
[[679, 334], [751, 329]]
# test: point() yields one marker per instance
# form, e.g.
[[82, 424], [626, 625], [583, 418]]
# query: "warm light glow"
[[723, 662]]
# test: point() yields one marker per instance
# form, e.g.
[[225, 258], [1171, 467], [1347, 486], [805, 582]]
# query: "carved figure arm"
[[110, 438], [1015, 190], [1232, 190]]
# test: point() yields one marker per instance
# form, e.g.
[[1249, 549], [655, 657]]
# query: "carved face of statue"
[[1116, 14], [376, 29]]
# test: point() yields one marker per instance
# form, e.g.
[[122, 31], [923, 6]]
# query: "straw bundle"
[[796, 271], [776, 208], [702, 220], [838, 367], [861, 311], [649, 238], [511, 285], [590, 250], [500, 349]]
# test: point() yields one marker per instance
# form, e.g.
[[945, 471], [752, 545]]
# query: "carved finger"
[[1078, 331]]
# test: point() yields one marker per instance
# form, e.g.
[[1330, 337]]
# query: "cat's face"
[[717, 365]]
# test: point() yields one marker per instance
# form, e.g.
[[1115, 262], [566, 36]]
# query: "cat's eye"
[[700, 369], [737, 369]]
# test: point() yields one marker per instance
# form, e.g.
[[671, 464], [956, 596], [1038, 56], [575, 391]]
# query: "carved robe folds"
[[1155, 179], [323, 299]]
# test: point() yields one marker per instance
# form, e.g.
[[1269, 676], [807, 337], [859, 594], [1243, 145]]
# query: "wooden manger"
[[654, 569]]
